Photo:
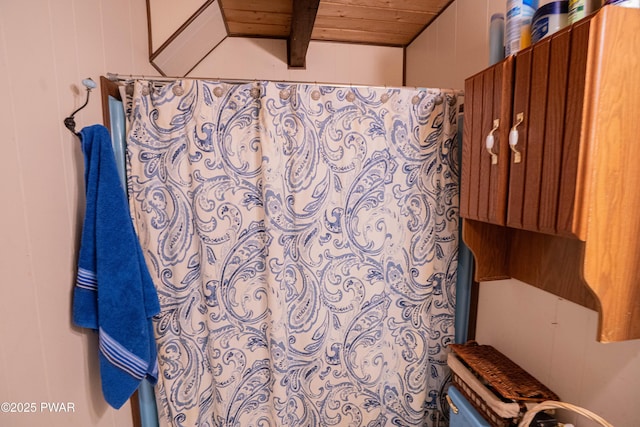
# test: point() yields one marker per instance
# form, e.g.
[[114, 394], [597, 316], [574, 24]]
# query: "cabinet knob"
[[490, 141], [513, 138]]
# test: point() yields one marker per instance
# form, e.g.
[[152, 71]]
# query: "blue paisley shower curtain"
[[303, 240]]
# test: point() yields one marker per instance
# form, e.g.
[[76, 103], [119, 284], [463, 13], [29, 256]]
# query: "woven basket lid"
[[501, 373]]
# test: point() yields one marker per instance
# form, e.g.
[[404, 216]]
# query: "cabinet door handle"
[[453, 407], [513, 138], [490, 141]]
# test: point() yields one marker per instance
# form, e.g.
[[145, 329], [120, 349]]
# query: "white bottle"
[[518, 26]]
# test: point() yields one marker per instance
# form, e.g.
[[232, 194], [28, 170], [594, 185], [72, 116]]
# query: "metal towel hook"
[[69, 122]]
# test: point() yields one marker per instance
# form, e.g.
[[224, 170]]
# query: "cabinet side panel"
[[612, 255], [489, 245], [554, 132], [551, 263], [536, 137], [465, 174], [485, 159], [517, 171], [572, 130]]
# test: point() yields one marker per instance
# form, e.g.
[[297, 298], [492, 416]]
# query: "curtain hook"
[[70, 122]]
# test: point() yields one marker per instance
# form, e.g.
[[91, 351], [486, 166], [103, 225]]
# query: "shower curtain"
[[303, 240]]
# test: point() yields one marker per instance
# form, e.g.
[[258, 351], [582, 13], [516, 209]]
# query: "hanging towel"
[[114, 293]]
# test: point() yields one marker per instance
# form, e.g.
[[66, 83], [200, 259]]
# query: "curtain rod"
[[114, 77]]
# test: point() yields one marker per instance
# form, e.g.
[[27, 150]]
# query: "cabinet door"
[[546, 75], [528, 141], [555, 122], [520, 124], [487, 112], [573, 194]]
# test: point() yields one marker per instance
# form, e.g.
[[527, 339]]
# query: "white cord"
[[550, 404]]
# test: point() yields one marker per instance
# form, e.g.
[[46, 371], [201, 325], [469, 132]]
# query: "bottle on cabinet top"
[[518, 25], [496, 38], [579, 9], [549, 19]]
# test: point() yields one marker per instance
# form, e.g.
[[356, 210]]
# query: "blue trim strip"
[[120, 357], [86, 279]]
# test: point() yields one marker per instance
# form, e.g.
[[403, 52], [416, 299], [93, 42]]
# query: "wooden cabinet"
[[559, 208], [538, 97]]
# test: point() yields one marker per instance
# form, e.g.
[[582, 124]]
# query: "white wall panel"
[[168, 15], [472, 38], [422, 61], [46, 49], [554, 340], [453, 47], [192, 44], [265, 59]]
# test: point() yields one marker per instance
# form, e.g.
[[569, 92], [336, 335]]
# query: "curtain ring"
[[177, 89]]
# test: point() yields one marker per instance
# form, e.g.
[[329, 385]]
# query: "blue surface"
[[118, 137], [465, 271], [146, 396], [467, 415]]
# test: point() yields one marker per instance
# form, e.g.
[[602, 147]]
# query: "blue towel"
[[114, 293]]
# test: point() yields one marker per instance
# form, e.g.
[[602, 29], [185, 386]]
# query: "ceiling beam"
[[302, 19]]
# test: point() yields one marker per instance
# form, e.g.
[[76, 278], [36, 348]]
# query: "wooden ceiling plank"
[[257, 17], [367, 25], [244, 29], [428, 6], [302, 20], [378, 14], [364, 37], [276, 6]]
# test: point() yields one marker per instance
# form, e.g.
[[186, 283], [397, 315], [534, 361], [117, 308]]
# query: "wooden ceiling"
[[377, 22]]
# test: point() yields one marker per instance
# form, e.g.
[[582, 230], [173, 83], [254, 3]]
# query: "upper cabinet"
[[551, 168], [523, 137]]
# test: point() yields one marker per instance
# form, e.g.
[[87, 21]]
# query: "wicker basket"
[[498, 388]]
